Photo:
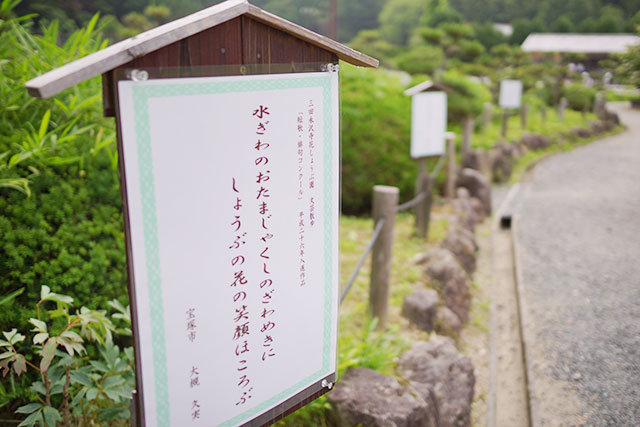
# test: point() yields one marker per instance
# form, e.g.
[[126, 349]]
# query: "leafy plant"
[[70, 384], [60, 208]]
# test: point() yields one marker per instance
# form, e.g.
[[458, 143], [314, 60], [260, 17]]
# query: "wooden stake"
[[385, 201], [524, 112], [486, 115], [423, 209], [451, 166], [561, 107], [467, 132], [505, 119]]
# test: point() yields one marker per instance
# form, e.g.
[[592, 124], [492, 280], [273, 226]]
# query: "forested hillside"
[[403, 16]]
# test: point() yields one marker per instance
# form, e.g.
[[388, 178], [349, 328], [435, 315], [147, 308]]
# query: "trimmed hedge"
[[376, 132], [579, 96]]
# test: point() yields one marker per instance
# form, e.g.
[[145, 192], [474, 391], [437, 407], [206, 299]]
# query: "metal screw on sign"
[[139, 75], [332, 68], [326, 384]]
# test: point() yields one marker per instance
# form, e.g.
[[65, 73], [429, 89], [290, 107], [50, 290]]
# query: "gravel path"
[[578, 239]]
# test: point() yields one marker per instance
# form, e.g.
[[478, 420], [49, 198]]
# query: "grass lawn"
[[551, 128]]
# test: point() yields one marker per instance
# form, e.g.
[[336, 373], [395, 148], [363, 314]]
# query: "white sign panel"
[[510, 93], [428, 124], [232, 188]]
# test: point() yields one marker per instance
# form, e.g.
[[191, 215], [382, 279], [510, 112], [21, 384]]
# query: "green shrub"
[[420, 59], [66, 382], [579, 96], [371, 43], [63, 228], [466, 97], [376, 120], [470, 49]]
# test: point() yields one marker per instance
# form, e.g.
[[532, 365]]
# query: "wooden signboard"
[[428, 123], [510, 93], [233, 191], [230, 188]]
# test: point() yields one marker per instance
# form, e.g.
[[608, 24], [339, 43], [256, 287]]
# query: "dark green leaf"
[[38, 387], [28, 408], [78, 377], [78, 397], [9, 298], [51, 416], [113, 381], [109, 414], [32, 419], [92, 393]]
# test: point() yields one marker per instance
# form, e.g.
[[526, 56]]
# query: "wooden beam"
[[344, 52], [120, 53], [127, 50]]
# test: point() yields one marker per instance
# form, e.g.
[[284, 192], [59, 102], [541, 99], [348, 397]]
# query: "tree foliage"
[[466, 97], [630, 65]]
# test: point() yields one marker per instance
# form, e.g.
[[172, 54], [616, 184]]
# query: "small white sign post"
[[428, 127], [428, 124], [510, 98], [510, 93], [232, 191]]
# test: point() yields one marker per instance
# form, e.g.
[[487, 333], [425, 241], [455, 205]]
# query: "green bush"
[[579, 96], [466, 97], [421, 59], [63, 227], [376, 120]]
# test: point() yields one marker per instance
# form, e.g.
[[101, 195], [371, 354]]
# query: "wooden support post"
[[505, 119], [524, 111], [451, 166], [561, 107], [422, 211], [599, 105], [467, 132], [133, 408], [487, 114], [385, 202]]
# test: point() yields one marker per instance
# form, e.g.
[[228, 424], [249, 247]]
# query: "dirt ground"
[[474, 339], [492, 337]]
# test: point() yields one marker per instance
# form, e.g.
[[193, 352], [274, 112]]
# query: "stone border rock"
[[438, 381], [497, 164]]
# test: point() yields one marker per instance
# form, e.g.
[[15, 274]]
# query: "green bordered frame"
[[263, 413]]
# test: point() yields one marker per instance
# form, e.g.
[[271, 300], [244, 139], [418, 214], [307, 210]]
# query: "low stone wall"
[[497, 163], [435, 382]]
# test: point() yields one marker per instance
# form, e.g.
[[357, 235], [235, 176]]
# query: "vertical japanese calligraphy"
[[239, 282], [306, 193], [236, 230], [194, 376], [267, 288]]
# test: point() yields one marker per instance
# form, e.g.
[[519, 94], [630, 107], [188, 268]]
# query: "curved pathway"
[[577, 230]]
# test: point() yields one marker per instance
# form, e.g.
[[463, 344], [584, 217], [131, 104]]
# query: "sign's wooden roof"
[[426, 86], [123, 52]]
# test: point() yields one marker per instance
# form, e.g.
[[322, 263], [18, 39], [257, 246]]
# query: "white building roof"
[[579, 43], [505, 29]]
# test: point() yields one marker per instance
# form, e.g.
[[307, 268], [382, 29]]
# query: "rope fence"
[[385, 207], [376, 233]]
